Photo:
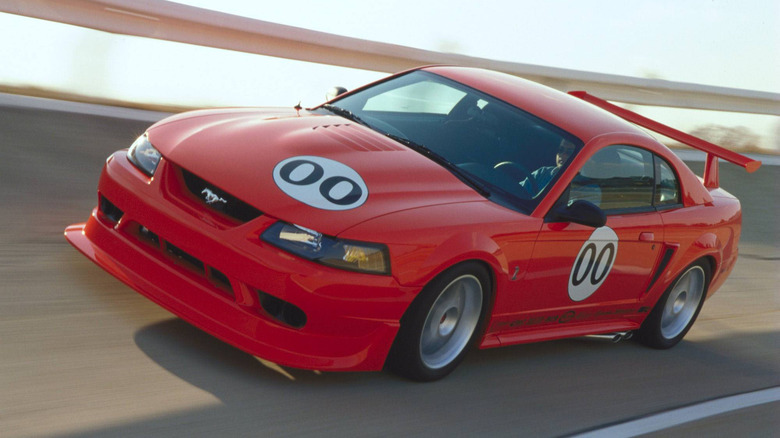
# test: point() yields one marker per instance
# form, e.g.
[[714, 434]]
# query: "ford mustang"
[[403, 223]]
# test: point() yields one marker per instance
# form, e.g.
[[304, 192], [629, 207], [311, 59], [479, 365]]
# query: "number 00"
[[594, 262]]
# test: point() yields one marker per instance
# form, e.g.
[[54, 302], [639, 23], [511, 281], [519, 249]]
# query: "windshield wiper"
[[343, 112], [464, 176], [461, 174]]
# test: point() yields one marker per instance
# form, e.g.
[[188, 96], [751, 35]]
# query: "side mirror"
[[334, 93], [581, 212]]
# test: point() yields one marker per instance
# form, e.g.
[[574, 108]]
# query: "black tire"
[[677, 309], [442, 323]]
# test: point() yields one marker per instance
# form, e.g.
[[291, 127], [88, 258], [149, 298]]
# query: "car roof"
[[577, 117]]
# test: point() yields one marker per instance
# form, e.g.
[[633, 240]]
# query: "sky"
[[712, 42]]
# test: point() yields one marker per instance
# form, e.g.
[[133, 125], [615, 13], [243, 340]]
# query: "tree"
[[730, 137]]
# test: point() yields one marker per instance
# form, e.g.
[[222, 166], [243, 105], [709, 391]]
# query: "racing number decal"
[[593, 263], [321, 183]]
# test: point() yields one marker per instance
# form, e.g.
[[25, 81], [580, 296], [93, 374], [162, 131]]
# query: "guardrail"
[[187, 24]]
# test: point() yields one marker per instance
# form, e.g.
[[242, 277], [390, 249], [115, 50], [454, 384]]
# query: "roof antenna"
[[298, 107]]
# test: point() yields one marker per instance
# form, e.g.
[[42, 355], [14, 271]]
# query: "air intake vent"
[[282, 311], [219, 200], [110, 211], [180, 258], [358, 138]]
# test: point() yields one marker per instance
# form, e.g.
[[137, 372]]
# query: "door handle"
[[646, 236]]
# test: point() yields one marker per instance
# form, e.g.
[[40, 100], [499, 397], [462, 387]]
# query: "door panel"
[[581, 274]]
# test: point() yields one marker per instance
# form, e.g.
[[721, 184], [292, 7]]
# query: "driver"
[[539, 178]]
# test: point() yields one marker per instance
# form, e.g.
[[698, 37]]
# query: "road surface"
[[81, 354]]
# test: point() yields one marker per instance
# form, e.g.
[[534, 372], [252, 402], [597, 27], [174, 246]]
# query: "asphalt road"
[[83, 355]]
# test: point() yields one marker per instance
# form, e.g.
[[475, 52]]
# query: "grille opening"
[[185, 258], [219, 200], [220, 280], [282, 311], [109, 210], [148, 236]]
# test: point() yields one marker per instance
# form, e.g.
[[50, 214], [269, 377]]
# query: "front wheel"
[[441, 324], [676, 311]]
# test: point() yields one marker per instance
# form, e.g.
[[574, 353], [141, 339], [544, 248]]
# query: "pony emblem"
[[211, 197]]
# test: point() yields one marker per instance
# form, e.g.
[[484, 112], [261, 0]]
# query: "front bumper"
[[211, 275]]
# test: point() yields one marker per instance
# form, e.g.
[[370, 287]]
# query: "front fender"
[[459, 248], [424, 242]]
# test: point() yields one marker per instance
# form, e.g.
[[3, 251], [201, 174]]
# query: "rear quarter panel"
[[710, 230]]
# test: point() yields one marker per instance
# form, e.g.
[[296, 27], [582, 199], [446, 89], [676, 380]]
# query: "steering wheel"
[[518, 172]]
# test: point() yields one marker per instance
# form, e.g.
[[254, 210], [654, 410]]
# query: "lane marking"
[[274, 367], [689, 414]]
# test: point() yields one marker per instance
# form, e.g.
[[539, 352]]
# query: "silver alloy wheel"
[[451, 322], [683, 300]]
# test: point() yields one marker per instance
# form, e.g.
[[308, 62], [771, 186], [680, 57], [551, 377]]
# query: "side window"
[[667, 188], [616, 178]]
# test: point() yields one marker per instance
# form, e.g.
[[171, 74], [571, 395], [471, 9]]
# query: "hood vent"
[[356, 138]]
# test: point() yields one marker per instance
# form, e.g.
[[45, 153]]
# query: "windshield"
[[506, 154]]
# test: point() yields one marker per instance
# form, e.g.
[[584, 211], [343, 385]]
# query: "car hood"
[[240, 151]]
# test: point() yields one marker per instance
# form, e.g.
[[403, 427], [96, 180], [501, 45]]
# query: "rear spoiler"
[[713, 151]]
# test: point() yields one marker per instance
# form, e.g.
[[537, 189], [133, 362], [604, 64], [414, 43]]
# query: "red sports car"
[[404, 222]]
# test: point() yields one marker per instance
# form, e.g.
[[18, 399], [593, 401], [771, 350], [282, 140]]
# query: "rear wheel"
[[676, 311], [441, 324]]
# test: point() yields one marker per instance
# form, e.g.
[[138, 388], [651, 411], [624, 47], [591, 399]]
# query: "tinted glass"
[[516, 156], [616, 178], [420, 97], [667, 189]]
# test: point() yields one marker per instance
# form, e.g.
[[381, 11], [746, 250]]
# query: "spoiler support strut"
[[711, 179]]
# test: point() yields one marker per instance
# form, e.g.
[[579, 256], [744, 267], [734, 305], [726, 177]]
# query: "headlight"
[[144, 155], [365, 257]]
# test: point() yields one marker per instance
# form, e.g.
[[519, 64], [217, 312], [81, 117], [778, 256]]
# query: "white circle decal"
[[593, 263], [321, 183]]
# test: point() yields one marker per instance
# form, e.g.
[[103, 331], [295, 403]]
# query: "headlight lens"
[[365, 257], [144, 155]]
